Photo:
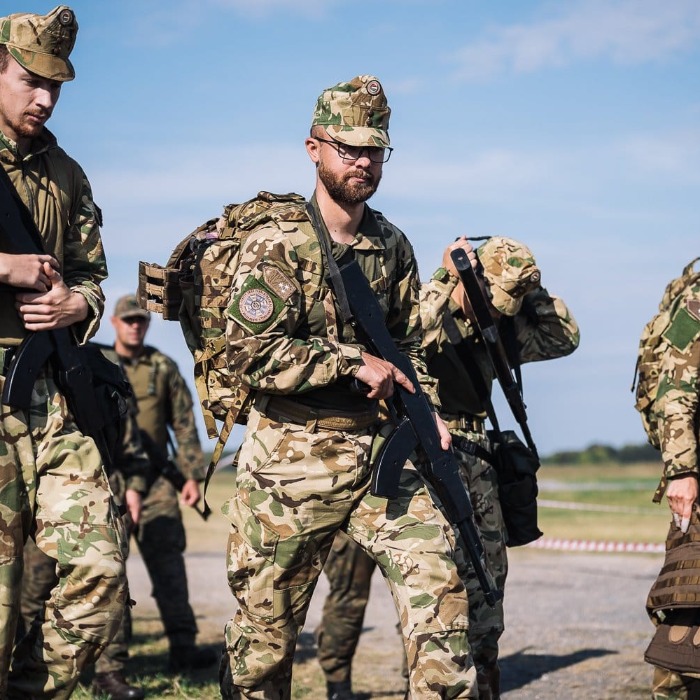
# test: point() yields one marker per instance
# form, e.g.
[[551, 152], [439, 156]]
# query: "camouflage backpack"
[[194, 288], [653, 345]]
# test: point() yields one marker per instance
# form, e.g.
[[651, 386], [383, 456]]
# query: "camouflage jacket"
[[544, 329], [676, 405], [131, 461], [55, 190], [163, 401], [291, 340]]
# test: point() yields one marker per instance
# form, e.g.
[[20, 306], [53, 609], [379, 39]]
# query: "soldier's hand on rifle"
[[463, 243], [445, 437], [59, 307], [682, 494], [380, 375], [190, 495], [26, 271]]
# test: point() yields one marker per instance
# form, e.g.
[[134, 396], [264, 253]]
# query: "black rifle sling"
[[333, 276]]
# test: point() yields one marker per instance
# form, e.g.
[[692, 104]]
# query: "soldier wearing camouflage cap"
[[53, 485], [304, 466], [543, 329]]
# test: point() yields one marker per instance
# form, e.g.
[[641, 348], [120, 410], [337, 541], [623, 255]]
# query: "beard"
[[342, 190]]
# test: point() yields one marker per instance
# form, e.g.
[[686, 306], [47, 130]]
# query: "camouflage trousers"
[[486, 624], [295, 488], [669, 685], [39, 580], [349, 572], [54, 489], [161, 540]]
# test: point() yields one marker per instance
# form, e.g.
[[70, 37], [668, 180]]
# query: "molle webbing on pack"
[[194, 288], [678, 582]]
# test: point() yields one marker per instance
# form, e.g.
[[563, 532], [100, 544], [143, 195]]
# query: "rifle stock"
[[416, 430]]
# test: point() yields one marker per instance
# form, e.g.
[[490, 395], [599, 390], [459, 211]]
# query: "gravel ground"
[[576, 624]]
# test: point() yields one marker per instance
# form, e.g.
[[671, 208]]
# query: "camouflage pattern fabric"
[[78, 527], [349, 570], [54, 188], [297, 485], [266, 347], [677, 398], [544, 329], [130, 471], [164, 400], [355, 112], [54, 487], [276, 554], [667, 685]]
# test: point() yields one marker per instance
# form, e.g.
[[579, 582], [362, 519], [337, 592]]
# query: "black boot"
[[190, 658], [340, 690], [115, 687]]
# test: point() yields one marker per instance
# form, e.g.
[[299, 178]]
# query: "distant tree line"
[[600, 454]]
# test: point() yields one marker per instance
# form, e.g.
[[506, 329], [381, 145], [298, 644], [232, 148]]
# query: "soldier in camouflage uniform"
[[164, 402], [128, 480], [304, 465], [53, 487], [544, 329], [676, 410]]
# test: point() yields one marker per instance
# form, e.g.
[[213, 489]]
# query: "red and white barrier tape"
[[592, 546]]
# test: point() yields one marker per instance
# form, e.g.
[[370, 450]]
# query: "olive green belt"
[[284, 410], [464, 421]]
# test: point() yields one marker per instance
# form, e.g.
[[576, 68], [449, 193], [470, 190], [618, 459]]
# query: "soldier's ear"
[[313, 148]]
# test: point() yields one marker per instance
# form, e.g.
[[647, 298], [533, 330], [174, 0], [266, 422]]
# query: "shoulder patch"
[[683, 330], [693, 306], [278, 282], [256, 306]]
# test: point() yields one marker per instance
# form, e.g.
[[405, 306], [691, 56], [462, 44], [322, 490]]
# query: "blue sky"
[[571, 126]]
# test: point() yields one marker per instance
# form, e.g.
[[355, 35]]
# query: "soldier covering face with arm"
[[54, 488]]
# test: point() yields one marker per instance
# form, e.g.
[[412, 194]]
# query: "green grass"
[[608, 485], [611, 486]]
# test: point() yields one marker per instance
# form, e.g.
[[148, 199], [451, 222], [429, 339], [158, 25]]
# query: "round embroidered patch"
[[373, 87], [256, 305]]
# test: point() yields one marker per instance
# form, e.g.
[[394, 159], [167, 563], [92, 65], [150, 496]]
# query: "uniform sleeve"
[[190, 457], [84, 264], [676, 405], [132, 460], [267, 347], [545, 328], [404, 319], [434, 302]]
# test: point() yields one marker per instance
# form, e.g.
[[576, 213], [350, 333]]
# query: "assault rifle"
[[163, 465], [416, 429], [73, 375], [486, 326]]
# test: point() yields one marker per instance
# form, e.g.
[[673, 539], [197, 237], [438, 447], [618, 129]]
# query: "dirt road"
[[576, 625]]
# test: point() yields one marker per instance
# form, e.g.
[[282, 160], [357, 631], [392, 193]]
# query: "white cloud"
[[625, 31], [675, 153]]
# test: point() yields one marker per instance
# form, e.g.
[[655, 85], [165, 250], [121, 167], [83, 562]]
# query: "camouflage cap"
[[355, 113], [42, 43], [510, 271], [128, 307]]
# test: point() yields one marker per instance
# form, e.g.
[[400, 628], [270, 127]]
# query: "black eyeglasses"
[[349, 154]]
